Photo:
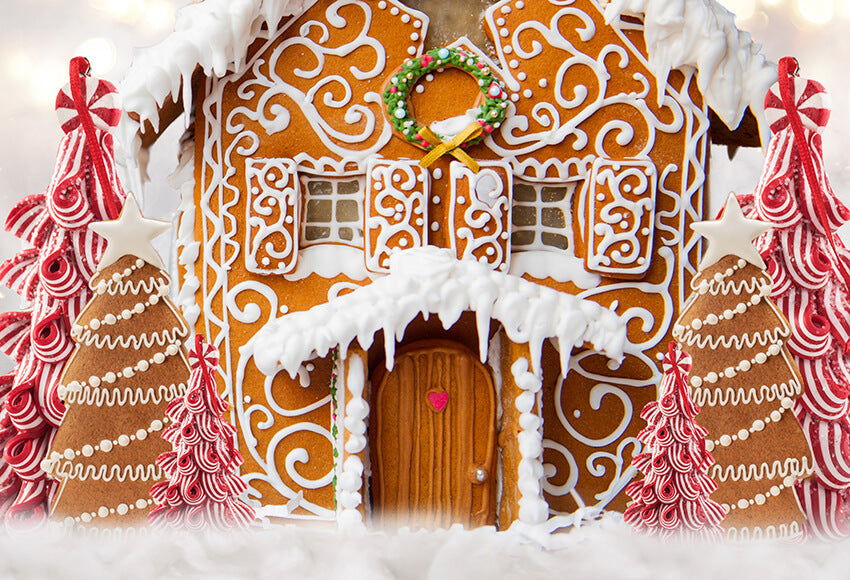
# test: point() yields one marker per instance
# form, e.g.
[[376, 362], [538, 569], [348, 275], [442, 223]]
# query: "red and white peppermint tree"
[[809, 266], [202, 488], [673, 498], [51, 275]]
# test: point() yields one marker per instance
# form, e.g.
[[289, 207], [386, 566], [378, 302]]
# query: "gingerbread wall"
[[583, 119]]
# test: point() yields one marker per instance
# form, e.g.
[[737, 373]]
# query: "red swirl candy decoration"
[[673, 498], [52, 277], [202, 489]]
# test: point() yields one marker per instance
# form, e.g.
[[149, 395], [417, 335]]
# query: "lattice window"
[[542, 216], [333, 211]]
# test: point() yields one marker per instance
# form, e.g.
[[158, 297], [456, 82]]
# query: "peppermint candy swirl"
[[829, 402], [812, 336], [101, 99], [812, 102], [59, 275], [830, 444], [804, 258]]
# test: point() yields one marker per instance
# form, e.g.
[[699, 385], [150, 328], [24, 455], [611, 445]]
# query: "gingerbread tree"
[[673, 497], [809, 265], [202, 488], [745, 381], [51, 275], [128, 365]]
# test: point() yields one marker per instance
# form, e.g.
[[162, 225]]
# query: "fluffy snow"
[[732, 73], [431, 280], [598, 551]]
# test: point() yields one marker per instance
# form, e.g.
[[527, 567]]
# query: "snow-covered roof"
[[732, 74], [431, 280], [215, 34]]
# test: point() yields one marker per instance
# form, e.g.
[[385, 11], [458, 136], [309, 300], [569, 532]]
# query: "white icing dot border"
[[105, 446], [761, 498], [126, 314]]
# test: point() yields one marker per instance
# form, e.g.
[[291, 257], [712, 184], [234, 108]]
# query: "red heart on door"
[[438, 400]]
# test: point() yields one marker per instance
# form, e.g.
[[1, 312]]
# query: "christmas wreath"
[[491, 111]]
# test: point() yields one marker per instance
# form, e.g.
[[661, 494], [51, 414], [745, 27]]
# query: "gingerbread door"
[[433, 439]]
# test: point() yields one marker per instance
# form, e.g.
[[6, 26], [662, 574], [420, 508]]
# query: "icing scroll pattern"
[[620, 206], [480, 213], [272, 218], [396, 210]]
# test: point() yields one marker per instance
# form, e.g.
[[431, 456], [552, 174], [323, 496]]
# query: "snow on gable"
[[431, 280], [732, 74]]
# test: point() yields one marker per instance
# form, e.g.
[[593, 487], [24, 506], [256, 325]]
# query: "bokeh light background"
[[38, 37]]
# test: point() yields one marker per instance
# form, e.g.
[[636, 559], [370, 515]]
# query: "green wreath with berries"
[[491, 111]]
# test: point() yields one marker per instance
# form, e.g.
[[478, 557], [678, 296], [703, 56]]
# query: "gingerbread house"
[[409, 236]]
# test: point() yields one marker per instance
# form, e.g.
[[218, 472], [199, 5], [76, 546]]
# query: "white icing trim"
[[533, 508], [136, 342], [87, 395], [330, 261], [781, 532], [758, 471], [713, 397], [116, 284], [126, 314], [350, 483], [426, 280], [80, 472], [764, 338]]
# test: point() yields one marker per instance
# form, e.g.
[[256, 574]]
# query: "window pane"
[[524, 216], [319, 210], [554, 240], [524, 192], [347, 211], [553, 194], [524, 238], [553, 217], [346, 234], [347, 187], [316, 233], [319, 187]]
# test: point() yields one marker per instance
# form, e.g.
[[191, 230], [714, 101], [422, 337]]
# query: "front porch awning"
[[431, 280]]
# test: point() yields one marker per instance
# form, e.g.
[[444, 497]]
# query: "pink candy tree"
[[202, 488], [51, 275], [672, 499], [809, 266]]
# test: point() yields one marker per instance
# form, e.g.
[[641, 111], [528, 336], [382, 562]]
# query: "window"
[[542, 216], [333, 211]]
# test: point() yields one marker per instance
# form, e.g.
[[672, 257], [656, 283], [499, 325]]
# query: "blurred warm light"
[[771, 2], [19, 64], [159, 14], [816, 11], [129, 11], [100, 52], [743, 9], [45, 80]]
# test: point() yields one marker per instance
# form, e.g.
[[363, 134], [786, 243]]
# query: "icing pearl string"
[[110, 377], [743, 366], [758, 425], [126, 314], [106, 445], [728, 314], [102, 512], [761, 498]]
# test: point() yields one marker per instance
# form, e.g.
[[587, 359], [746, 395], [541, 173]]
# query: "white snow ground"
[[599, 551]]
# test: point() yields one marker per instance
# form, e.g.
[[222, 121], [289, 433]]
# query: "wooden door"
[[433, 439]]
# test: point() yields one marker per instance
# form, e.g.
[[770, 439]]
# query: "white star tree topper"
[[131, 234], [731, 235]]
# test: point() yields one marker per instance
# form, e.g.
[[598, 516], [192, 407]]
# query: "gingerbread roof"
[[213, 36], [431, 280]]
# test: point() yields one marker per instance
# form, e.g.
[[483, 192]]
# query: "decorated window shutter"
[[619, 215], [272, 214], [480, 213], [396, 210]]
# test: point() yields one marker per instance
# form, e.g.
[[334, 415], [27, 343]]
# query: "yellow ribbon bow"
[[452, 147]]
